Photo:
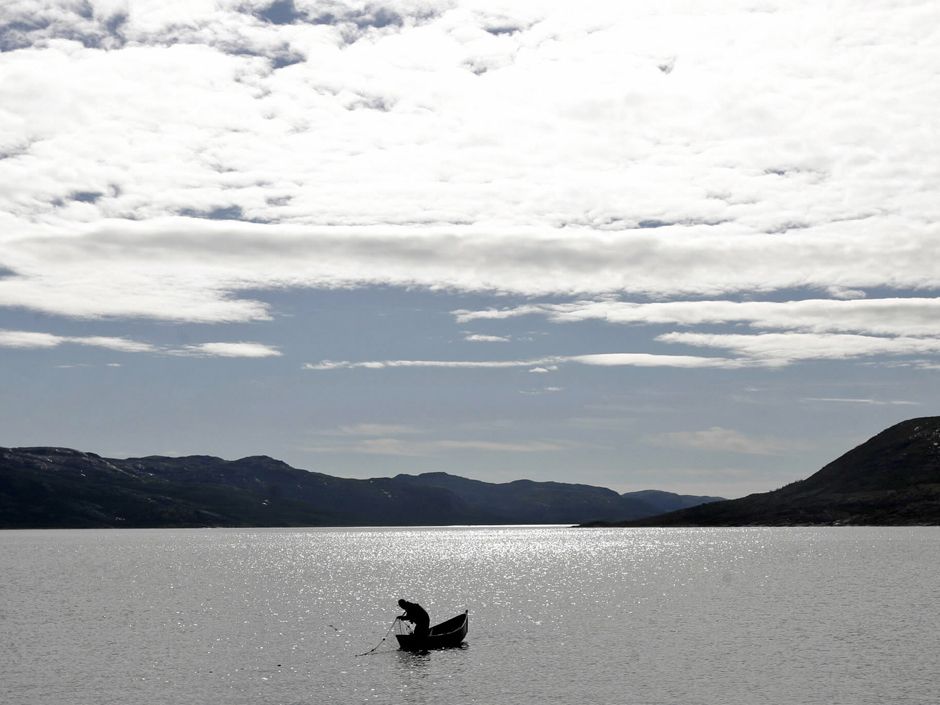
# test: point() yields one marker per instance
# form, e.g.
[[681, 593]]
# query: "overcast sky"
[[689, 246]]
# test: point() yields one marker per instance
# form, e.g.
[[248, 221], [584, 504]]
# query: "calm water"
[[557, 615]]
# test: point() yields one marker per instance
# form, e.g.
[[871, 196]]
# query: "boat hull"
[[441, 636]]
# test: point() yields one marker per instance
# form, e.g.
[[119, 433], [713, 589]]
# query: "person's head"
[[403, 604]]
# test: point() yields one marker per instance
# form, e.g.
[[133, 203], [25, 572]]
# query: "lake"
[[557, 615]]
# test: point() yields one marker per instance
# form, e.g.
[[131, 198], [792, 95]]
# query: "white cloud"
[[649, 360], [541, 391], [466, 316], [873, 402], [811, 329], [546, 363], [118, 344], [726, 440], [420, 144], [229, 350], [447, 364], [885, 316], [411, 441], [416, 448], [783, 349], [29, 339], [839, 292], [186, 269], [502, 447], [375, 429], [477, 338]]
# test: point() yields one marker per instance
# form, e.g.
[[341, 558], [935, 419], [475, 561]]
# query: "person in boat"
[[417, 615]]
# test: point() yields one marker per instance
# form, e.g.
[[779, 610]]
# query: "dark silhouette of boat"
[[441, 636]]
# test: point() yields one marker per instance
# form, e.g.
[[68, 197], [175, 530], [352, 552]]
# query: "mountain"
[[64, 488], [891, 479], [664, 502]]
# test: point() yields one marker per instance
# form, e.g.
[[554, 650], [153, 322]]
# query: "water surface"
[[557, 615]]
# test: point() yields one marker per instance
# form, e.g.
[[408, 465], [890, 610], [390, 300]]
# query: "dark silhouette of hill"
[[64, 488], [669, 501], [891, 479]]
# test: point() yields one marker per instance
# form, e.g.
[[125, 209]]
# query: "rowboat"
[[441, 636]]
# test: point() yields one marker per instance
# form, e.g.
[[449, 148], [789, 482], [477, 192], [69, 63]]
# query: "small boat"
[[441, 636]]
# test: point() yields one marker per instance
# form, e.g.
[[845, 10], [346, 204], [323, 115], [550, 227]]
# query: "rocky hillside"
[[891, 479]]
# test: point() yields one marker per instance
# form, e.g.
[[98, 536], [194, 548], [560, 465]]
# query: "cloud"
[[541, 391], [726, 440], [884, 316], [784, 349], [229, 350], [809, 329], [874, 402], [117, 344], [29, 339], [503, 447], [411, 441], [417, 448], [415, 143], [839, 292], [375, 429], [372, 446], [477, 338], [467, 316], [35, 340], [545, 363], [447, 364], [188, 269], [650, 360]]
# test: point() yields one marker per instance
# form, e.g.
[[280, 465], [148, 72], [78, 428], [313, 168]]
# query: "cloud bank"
[[158, 158], [884, 316], [784, 332]]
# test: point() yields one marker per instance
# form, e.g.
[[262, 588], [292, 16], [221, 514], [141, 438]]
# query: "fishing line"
[[366, 653]]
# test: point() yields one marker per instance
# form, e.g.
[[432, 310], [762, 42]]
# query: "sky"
[[687, 246]]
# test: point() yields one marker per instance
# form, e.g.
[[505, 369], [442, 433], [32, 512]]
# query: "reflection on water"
[[558, 615]]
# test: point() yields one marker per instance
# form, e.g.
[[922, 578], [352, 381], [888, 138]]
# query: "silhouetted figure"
[[415, 614]]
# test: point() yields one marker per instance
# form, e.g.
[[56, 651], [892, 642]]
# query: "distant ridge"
[[64, 488], [891, 479]]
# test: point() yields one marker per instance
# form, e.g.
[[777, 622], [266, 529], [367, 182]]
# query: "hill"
[[64, 488], [891, 479]]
